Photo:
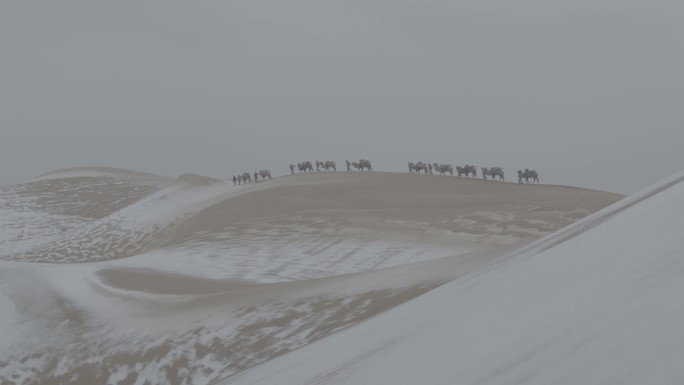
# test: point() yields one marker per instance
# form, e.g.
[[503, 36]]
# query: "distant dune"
[[81, 172], [193, 279]]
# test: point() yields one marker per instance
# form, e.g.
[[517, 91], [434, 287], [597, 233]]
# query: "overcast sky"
[[588, 92]]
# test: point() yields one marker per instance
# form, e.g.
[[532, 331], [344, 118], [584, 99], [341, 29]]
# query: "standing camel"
[[305, 166], [527, 174], [363, 163], [443, 169], [466, 170], [265, 174], [485, 172], [497, 171], [418, 167]]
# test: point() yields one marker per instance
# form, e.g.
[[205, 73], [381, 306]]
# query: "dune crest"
[[198, 180], [76, 172]]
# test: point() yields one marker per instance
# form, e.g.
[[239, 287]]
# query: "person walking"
[[234, 180], [256, 176], [292, 167], [239, 178], [348, 165]]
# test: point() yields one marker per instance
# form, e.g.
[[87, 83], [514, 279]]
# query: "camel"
[[363, 163], [485, 172], [418, 167], [305, 166], [472, 169], [265, 174], [460, 171], [328, 164], [497, 171], [443, 169], [246, 177], [527, 174], [467, 170]]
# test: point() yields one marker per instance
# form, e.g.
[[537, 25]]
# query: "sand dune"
[[595, 303], [56, 204], [110, 172], [193, 279]]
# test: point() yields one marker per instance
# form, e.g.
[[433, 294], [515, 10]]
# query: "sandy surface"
[[598, 302], [193, 279]]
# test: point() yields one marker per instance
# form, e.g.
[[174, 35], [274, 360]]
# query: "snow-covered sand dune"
[[60, 202], [596, 303], [190, 280]]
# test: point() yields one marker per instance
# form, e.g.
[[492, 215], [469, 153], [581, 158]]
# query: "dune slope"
[[595, 303]]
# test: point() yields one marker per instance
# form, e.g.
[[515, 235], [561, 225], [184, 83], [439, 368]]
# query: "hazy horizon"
[[589, 93]]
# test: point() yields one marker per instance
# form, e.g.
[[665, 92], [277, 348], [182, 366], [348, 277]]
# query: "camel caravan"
[[470, 171], [246, 177], [307, 166], [328, 165], [493, 173]]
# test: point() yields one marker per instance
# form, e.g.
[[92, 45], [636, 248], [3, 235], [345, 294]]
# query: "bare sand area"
[[396, 200]]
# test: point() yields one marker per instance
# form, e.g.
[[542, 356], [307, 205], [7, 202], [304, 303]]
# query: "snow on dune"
[[219, 278], [598, 302], [51, 206], [349, 223], [127, 230]]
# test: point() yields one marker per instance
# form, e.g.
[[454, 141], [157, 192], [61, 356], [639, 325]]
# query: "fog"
[[589, 93]]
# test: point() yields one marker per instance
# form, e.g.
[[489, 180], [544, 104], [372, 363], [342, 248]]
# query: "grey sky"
[[588, 92]]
